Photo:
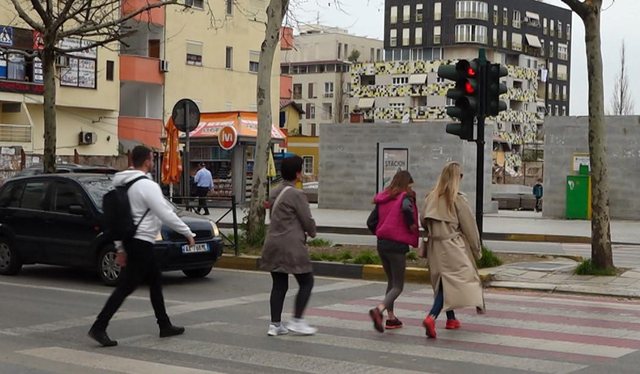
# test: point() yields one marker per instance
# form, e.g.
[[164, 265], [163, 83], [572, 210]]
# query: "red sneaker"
[[430, 326], [391, 324], [376, 317], [452, 324]]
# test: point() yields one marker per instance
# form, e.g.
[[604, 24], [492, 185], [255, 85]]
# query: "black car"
[[63, 168], [57, 219]]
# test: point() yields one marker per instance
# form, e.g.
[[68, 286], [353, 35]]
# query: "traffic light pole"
[[480, 141]]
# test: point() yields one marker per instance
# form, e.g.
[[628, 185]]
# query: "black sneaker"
[[101, 337], [376, 317], [171, 330], [391, 324]]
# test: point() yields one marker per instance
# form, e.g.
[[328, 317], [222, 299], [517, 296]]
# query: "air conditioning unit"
[[164, 66], [62, 61], [87, 138]]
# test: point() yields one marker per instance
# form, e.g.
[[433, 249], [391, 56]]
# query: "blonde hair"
[[448, 184]]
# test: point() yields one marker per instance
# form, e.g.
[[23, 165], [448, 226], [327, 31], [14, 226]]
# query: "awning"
[[532, 15], [366, 103], [533, 41], [245, 123], [418, 79]]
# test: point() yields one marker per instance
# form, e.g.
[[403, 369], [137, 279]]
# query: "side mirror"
[[77, 209]]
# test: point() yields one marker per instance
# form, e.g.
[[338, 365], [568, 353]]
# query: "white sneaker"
[[277, 330], [301, 327]]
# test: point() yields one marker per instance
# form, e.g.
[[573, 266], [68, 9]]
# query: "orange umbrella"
[[171, 163]]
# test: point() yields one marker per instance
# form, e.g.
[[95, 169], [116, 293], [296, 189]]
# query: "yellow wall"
[[306, 146], [212, 86], [292, 119]]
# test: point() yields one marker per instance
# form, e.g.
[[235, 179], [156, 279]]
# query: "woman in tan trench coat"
[[453, 244]]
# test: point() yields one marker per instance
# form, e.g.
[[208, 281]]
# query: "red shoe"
[[393, 324], [452, 324], [430, 326], [376, 317]]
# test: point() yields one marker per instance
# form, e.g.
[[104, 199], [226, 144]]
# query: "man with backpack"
[[134, 232]]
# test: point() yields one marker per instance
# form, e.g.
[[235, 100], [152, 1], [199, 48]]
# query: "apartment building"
[[530, 37], [319, 64]]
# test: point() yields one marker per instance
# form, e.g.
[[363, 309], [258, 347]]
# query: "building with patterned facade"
[[318, 63], [530, 37]]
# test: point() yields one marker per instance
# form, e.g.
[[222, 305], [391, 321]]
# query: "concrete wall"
[[348, 161], [565, 136]]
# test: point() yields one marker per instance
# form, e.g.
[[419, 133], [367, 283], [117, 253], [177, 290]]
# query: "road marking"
[[107, 362], [265, 358]]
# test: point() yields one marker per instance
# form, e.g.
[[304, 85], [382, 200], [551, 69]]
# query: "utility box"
[[578, 205]]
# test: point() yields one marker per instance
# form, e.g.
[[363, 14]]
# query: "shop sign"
[[227, 137], [19, 87], [6, 36]]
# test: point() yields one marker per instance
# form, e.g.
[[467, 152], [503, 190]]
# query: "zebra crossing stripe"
[[111, 363]]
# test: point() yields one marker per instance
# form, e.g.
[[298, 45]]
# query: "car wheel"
[[197, 273], [108, 270], [10, 263]]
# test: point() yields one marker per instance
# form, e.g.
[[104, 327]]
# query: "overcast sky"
[[366, 18]]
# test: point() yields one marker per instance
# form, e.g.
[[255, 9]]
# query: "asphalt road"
[[45, 313]]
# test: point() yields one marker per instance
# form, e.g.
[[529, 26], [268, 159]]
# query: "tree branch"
[[25, 17], [581, 8]]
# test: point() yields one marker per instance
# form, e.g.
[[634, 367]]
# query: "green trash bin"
[[579, 195]]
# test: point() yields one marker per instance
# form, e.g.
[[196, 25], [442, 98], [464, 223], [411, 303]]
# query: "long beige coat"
[[285, 249], [453, 243]]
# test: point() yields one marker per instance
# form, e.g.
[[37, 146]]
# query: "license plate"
[[200, 247]]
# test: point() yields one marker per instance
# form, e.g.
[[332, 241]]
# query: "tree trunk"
[[48, 64], [601, 255], [275, 14]]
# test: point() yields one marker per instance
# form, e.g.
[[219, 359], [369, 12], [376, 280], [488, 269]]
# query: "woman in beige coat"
[[453, 244]]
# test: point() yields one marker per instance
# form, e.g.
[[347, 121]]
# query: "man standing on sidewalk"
[[148, 210], [537, 192], [204, 184]]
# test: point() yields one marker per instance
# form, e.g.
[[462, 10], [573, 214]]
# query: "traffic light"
[[494, 89], [466, 92]]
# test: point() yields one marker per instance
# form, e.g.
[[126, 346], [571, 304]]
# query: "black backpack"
[[118, 220]]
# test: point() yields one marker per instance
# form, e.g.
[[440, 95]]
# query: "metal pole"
[[480, 140], [186, 157]]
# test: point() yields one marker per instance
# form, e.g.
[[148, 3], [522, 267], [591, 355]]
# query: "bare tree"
[[621, 102], [589, 11], [95, 22]]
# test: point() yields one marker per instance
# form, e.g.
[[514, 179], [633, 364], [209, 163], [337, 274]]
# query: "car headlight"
[[214, 228]]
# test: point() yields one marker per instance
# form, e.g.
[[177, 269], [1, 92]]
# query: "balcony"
[[155, 15], [140, 129], [140, 69]]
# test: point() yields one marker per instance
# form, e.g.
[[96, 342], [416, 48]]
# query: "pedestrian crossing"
[[521, 332]]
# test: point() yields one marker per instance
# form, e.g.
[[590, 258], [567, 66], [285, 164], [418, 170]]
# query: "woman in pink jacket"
[[396, 229]]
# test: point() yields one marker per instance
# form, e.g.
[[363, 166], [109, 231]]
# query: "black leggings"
[[279, 291]]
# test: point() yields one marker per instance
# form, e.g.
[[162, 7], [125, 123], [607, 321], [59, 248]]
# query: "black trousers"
[[202, 192], [279, 291], [142, 265]]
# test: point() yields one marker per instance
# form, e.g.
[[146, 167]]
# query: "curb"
[[560, 289], [340, 270]]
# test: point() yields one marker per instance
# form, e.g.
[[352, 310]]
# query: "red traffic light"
[[471, 72], [468, 88]]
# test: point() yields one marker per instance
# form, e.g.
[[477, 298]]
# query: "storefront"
[[232, 169]]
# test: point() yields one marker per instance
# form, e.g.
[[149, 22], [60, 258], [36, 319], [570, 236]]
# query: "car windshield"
[[97, 188]]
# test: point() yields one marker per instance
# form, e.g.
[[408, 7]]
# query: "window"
[[307, 165], [339, 51], [310, 91], [516, 42], [110, 70], [551, 49], [437, 11], [551, 88], [496, 16], [405, 36], [328, 89], [327, 111], [505, 16], [310, 111], [559, 29], [345, 113], [545, 27], [11, 195], [418, 36], [564, 110], [229, 7], [568, 31], [516, 19], [471, 34], [558, 92], [398, 106], [562, 72], [472, 9], [542, 47], [346, 50], [418, 12], [228, 59], [393, 38], [194, 4], [314, 129], [504, 39], [398, 81], [372, 53], [297, 91], [436, 34], [495, 37], [65, 196], [553, 28], [406, 14], [378, 54], [563, 51], [33, 196], [194, 53], [254, 61], [394, 15]]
